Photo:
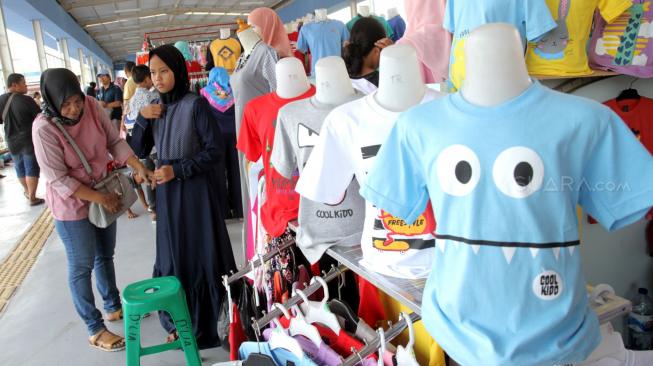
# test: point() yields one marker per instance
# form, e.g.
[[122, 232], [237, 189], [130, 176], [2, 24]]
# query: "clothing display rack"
[[252, 265], [334, 273], [372, 347]]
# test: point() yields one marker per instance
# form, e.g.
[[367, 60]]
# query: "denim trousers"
[[90, 248]]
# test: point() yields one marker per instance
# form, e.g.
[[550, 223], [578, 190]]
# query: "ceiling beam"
[[142, 29], [69, 5], [132, 16]]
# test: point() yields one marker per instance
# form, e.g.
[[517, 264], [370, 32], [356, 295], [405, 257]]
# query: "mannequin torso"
[[400, 80], [320, 15], [225, 33], [248, 38], [494, 61], [332, 82], [291, 78]]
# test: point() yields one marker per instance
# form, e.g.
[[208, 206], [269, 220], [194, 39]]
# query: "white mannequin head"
[[320, 14], [248, 38], [364, 10], [332, 82], [392, 12], [294, 26], [400, 79], [494, 64], [291, 78], [309, 18], [225, 33]]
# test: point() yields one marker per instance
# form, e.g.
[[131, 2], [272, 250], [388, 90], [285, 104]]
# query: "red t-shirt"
[[256, 138], [293, 37], [637, 115]]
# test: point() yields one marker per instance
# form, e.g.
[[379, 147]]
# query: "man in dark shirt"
[[18, 113], [110, 97], [90, 90]]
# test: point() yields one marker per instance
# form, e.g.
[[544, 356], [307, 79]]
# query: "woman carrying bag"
[[69, 125]]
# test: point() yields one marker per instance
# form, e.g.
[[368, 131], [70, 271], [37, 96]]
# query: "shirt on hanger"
[[531, 18], [323, 39], [349, 140], [388, 29], [279, 355], [322, 355], [563, 50], [256, 139], [225, 53], [398, 26], [637, 115], [623, 45], [504, 182], [321, 226]]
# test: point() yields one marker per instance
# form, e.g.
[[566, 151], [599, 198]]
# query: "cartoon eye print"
[[306, 137], [459, 170], [518, 172]]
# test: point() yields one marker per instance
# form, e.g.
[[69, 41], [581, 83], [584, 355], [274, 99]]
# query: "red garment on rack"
[[236, 334], [193, 66], [294, 36], [370, 307]]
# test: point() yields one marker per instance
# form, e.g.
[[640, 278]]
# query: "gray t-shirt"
[[320, 225]]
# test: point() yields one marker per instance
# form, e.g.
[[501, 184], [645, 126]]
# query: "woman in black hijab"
[[69, 190], [192, 242]]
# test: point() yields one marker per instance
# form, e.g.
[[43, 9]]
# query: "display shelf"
[[596, 73], [409, 292]]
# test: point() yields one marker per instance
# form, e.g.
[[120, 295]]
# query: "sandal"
[[107, 341], [115, 316], [36, 202], [172, 337]]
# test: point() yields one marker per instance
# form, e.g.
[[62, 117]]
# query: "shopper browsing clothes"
[[17, 114], [69, 192], [192, 242], [363, 52]]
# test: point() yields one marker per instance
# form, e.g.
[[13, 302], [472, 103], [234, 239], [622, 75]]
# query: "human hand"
[[152, 111], [111, 202], [103, 104], [164, 174], [383, 43], [142, 174]]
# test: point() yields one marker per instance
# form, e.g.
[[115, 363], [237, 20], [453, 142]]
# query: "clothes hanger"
[[258, 359], [405, 355], [630, 93], [318, 312], [381, 346], [299, 325], [280, 339], [344, 311]]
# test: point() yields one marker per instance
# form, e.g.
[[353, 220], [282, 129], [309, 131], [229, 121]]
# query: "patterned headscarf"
[[218, 92]]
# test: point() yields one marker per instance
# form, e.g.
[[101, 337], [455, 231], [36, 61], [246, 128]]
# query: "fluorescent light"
[[197, 13], [236, 14], [152, 16], [103, 23], [127, 10]]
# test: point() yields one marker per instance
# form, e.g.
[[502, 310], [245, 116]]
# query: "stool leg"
[[187, 340], [132, 337]]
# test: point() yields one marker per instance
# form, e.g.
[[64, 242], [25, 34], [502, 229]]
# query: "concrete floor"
[[40, 325]]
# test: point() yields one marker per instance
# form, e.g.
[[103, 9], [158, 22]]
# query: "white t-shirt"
[[349, 140], [363, 85]]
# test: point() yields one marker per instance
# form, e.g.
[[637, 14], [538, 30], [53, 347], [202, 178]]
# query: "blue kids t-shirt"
[[506, 286], [532, 18], [323, 38], [280, 356]]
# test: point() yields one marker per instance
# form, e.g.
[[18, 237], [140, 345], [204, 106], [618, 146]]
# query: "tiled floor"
[[40, 326]]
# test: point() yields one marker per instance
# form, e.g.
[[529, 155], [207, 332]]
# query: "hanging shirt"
[[531, 18], [320, 226], [256, 139], [398, 27], [504, 182], [323, 39], [322, 355], [563, 50], [623, 45], [637, 115], [349, 140], [280, 356], [388, 29], [225, 53]]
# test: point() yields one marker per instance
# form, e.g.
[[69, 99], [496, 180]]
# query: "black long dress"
[[192, 242]]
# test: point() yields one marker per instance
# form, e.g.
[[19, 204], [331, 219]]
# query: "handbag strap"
[[78, 151], [6, 110]]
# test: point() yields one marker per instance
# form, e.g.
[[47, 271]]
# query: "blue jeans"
[[26, 165], [87, 248]]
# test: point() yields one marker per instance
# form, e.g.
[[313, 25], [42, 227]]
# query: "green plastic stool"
[[157, 294]]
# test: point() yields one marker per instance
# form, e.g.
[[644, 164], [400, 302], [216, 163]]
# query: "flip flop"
[[36, 202]]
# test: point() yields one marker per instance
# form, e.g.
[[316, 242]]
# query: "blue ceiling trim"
[[298, 9]]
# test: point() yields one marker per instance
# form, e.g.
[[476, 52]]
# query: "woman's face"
[[72, 107], [162, 77], [373, 59]]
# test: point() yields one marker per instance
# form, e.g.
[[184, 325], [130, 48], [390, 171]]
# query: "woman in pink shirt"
[[69, 191]]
